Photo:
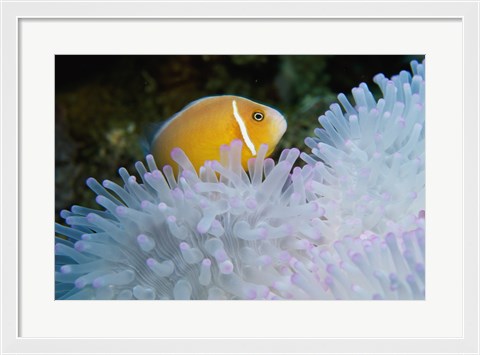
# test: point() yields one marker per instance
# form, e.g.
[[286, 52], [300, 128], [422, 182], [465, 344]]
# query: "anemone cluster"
[[349, 224]]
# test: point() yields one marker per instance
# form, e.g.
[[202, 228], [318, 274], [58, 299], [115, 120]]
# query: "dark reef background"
[[105, 104]]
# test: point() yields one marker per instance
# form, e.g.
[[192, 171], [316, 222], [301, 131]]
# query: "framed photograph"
[[248, 228], [236, 178]]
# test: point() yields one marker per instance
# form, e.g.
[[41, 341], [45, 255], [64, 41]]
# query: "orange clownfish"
[[204, 125]]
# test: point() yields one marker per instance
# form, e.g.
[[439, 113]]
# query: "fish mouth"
[[282, 128]]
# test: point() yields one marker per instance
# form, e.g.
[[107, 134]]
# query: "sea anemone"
[[347, 225], [370, 160]]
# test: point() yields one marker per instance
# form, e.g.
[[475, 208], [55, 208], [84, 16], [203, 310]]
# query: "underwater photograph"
[[239, 177]]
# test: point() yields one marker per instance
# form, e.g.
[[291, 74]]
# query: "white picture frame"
[[33, 32]]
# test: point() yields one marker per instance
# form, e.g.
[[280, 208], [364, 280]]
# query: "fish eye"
[[257, 116]]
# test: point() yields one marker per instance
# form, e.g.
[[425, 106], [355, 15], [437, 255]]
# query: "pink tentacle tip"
[[289, 229], [356, 288], [390, 238], [80, 283], [121, 211], [226, 267], [321, 211], [203, 203], [80, 246], [65, 269], [235, 202], [197, 187], [177, 193], [328, 281], [176, 152], [295, 278], [236, 142], [97, 283], [251, 294], [331, 268], [216, 165], [263, 232], [285, 256], [221, 255], [151, 262], [189, 195], [207, 262], [202, 229], [306, 244], [251, 203], [294, 263], [356, 257], [265, 260]]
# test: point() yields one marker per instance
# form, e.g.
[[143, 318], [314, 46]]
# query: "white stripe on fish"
[[243, 129]]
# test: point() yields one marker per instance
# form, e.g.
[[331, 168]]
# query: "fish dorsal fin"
[[243, 128]]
